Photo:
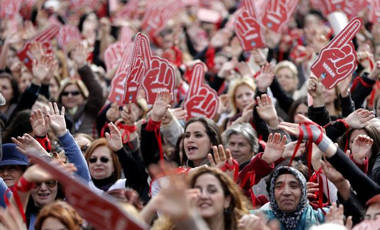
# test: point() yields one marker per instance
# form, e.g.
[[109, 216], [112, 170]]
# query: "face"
[[356, 133], [100, 163], [287, 192], [6, 89], [330, 95], [83, 143], [25, 80], [44, 193], [212, 201], [53, 89], [240, 148], [243, 96], [52, 223], [286, 79], [10, 174], [301, 109], [71, 96], [373, 212], [197, 144]]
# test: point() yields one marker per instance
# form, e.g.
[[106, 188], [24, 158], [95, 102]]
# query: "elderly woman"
[[288, 200], [241, 139]]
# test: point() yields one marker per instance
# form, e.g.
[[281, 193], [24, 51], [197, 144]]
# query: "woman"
[[241, 93], [219, 201], [9, 89], [104, 166], [287, 76], [58, 215], [200, 135], [288, 200], [299, 106]]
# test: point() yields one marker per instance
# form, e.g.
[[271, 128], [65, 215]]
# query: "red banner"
[[338, 59], [201, 100], [44, 38], [98, 210], [9, 8]]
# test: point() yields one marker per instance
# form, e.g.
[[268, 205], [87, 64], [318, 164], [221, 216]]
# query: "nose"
[[203, 194], [43, 186], [286, 191]]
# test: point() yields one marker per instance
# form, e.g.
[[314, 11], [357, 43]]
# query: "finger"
[[51, 110], [349, 222], [216, 154], [228, 154], [56, 109], [211, 160], [222, 154], [63, 110], [346, 35]]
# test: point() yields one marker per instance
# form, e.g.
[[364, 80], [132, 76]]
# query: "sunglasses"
[[73, 93], [95, 159], [50, 183]]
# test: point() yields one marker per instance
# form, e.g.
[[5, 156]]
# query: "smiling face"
[[71, 96], [197, 144], [212, 201], [44, 193], [100, 163], [287, 192], [243, 96], [240, 147]]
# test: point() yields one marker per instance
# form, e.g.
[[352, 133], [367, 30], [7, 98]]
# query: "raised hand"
[[114, 140], [179, 113], [344, 86], [374, 75], [315, 89], [39, 123], [42, 67], [27, 143], [335, 214], [265, 78], [129, 114], [36, 50], [56, 119], [274, 148], [161, 106], [289, 149], [79, 54], [361, 148], [220, 158], [113, 113], [266, 110], [10, 218], [359, 118]]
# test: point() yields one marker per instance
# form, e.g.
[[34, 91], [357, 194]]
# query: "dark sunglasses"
[[95, 159], [50, 183], [73, 93]]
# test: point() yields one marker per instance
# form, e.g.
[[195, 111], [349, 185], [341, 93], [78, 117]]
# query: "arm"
[[361, 88]]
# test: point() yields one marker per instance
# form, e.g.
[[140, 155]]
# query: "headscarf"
[[288, 219]]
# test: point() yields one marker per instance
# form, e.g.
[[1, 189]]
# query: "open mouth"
[[191, 149], [43, 195]]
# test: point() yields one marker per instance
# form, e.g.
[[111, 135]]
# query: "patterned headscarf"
[[288, 219]]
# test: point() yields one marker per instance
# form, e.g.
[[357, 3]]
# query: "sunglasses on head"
[[95, 159], [73, 93], [50, 183]]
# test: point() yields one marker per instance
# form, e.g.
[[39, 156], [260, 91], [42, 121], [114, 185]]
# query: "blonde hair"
[[235, 84], [288, 65]]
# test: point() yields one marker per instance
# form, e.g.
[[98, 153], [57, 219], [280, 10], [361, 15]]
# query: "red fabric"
[[317, 201], [253, 172], [155, 127], [178, 56], [24, 185], [234, 166], [210, 57], [44, 142]]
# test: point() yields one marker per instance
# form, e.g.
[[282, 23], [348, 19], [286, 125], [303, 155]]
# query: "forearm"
[[74, 155]]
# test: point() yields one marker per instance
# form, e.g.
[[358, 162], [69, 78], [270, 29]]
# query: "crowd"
[[281, 151]]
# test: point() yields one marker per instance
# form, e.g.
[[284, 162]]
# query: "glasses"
[[95, 159], [72, 93], [50, 183]]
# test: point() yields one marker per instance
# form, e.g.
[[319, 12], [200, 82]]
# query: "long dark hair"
[[212, 132]]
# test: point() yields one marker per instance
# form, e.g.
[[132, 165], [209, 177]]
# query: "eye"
[[187, 135], [198, 135]]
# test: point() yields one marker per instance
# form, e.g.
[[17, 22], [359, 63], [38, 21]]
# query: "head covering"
[[11, 156], [288, 219]]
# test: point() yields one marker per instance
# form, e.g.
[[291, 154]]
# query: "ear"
[[227, 201]]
